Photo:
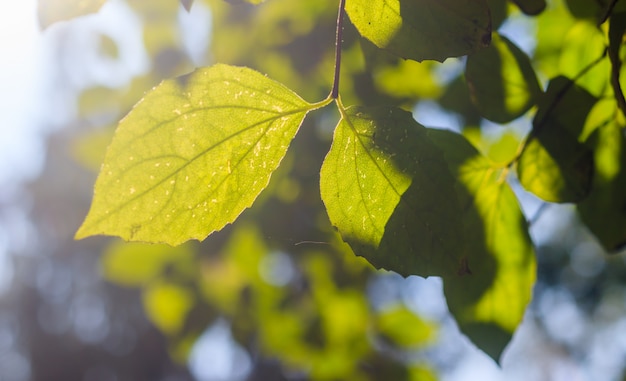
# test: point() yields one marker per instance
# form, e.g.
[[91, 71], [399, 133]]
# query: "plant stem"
[[338, 42]]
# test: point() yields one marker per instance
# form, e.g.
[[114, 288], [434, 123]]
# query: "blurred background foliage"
[[277, 296]]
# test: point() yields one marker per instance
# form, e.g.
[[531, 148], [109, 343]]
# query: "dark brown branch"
[[338, 42]]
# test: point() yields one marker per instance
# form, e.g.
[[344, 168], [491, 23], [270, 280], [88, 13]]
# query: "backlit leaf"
[[403, 328], [555, 165], [604, 211], [192, 155], [502, 82], [51, 11], [423, 30], [581, 47], [167, 305], [387, 189], [137, 264], [489, 299]]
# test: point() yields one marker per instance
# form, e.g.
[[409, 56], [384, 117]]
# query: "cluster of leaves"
[[198, 150]]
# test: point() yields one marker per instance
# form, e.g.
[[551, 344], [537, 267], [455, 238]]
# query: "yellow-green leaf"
[[192, 155], [387, 189], [51, 11], [604, 211], [425, 29], [167, 305], [489, 299], [137, 264], [501, 80], [555, 165], [581, 47], [405, 329]]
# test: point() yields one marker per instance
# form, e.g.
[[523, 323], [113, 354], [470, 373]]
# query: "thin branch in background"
[[540, 211], [538, 125]]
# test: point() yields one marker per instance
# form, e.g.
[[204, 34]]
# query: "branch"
[[338, 42]]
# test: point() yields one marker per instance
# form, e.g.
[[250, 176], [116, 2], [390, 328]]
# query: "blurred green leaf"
[[403, 328], [137, 264], [501, 80], [89, 149], [423, 30], [585, 9], [52, 11], [604, 210], [387, 189], [531, 7], [167, 305], [582, 47], [554, 21], [192, 155], [408, 79], [555, 164], [489, 298]]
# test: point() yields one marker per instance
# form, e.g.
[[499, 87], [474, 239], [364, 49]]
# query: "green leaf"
[[489, 300], [387, 189], [531, 7], [585, 9], [137, 264], [405, 329], [604, 211], [582, 47], [167, 305], [51, 11], [555, 165], [423, 30], [192, 155], [502, 82]]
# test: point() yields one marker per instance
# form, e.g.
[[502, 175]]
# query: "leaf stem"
[[338, 42]]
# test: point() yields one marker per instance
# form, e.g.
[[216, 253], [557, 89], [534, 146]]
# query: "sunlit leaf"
[[489, 299], [554, 21], [167, 305], [387, 189], [192, 155], [582, 47], [555, 165], [502, 82], [137, 264], [51, 11], [531, 7], [604, 210], [421, 30], [408, 79], [403, 328]]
